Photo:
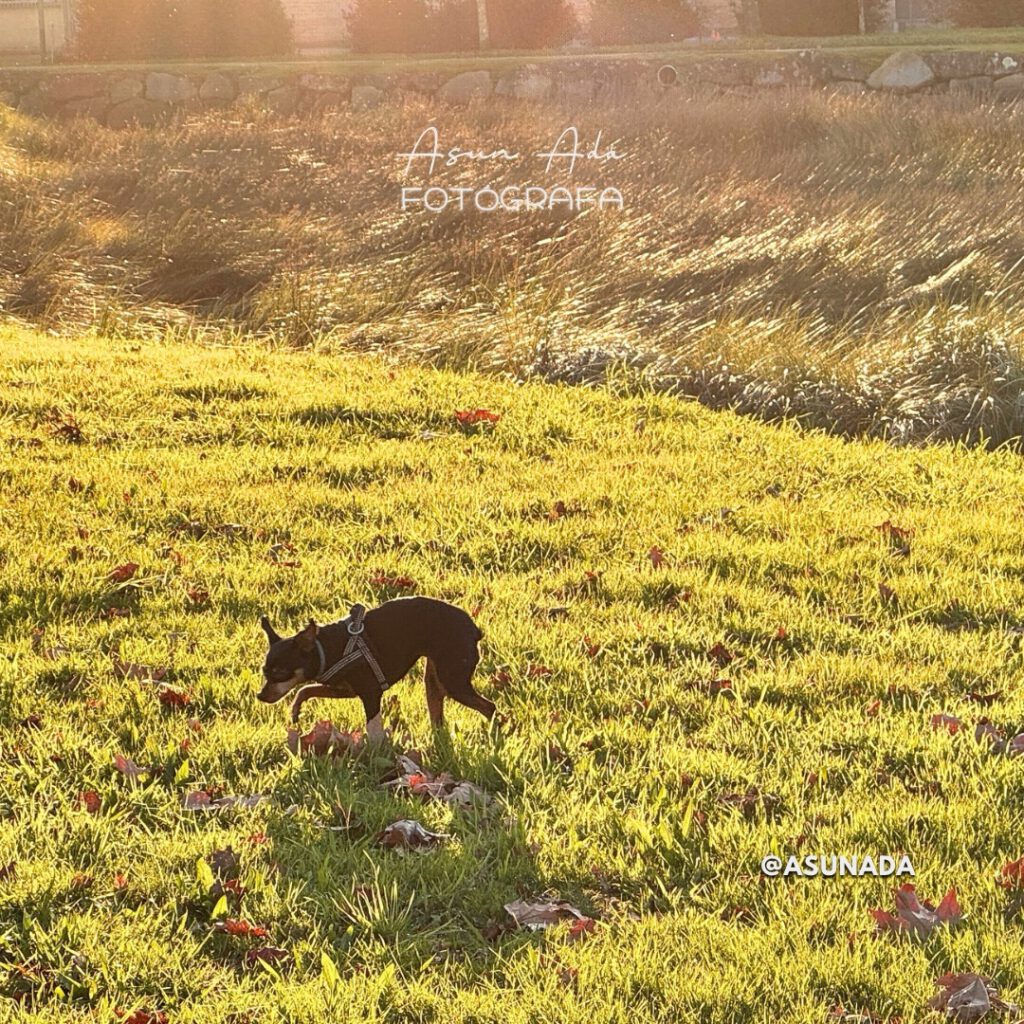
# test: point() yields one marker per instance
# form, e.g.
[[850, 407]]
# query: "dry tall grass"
[[848, 261]]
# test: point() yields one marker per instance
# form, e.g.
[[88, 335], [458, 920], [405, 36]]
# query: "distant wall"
[[19, 26], [318, 24], [120, 98]]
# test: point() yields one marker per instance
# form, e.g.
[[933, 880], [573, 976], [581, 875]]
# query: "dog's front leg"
[[313, 690], [371, 705]]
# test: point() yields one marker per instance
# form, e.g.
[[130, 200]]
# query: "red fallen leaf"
[[241, 929], [471, 417], [914, 916], [443, 787], [538, 672], [581, 928], [592, 650], [656, 556], [558, 511], [90, 800], [780, 633], [500, 680], [257, 838], [968, 997], [721, 655], [948, 722], [197, 595], [84, 533], [324, 738], [142, 1017], [172, 698], [1011, 875], [32, 721], [887, 594], [8, 871], [82, 880], [75, 486], [396, 582], [898, 538], [123, 573], [872, 709], [272, 956], [120, 882], [717, 686], [115, 612], [127, 767]]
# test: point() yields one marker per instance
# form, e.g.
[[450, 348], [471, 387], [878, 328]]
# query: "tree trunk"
[[481, 21]]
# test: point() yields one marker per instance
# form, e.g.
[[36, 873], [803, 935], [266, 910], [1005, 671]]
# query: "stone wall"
[[118, 98]]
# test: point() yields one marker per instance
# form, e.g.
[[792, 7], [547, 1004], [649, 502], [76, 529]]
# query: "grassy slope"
[[330, 455]]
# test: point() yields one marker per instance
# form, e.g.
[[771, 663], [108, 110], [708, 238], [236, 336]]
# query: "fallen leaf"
[[241, 929], [538, 672], [472, 417], [871, 709], [172, 698], [409, 835], [542, 913], [581, 928], [224, 863], [323, 739], [442, 787], [143, 673], [948, 722], [90, 800], [914, 916], [8, 871], [127, 767], [968, 997], [721, 655], [123, 573], [272, 956], [656, 556], [1011, 876], [143, 1017], [395, 582]]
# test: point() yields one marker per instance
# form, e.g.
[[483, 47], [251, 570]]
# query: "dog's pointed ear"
[[308, 636], [272, 636]]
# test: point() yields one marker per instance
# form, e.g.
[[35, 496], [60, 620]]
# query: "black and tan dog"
[[375, 650]]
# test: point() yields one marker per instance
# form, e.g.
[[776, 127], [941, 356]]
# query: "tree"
[[644, 21], [988, 13]]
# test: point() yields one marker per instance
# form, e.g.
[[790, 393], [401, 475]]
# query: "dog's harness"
[[357, 649]]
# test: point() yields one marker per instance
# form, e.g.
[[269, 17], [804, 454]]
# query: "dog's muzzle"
[[273, 692]]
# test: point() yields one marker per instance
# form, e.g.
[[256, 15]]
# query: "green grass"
[[608, 781]]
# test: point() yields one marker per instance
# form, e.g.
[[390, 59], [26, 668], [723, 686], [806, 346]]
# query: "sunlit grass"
[[609, 781], [835, 260]]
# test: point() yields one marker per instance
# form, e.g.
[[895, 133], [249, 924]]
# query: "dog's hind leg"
[[435, 695], [455, 676]]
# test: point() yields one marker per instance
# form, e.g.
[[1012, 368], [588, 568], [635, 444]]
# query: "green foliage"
[[613, 780], [644, 21], [451, 26], [162, 29]]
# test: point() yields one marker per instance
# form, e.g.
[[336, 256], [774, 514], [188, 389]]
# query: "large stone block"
[[902, 72], [134, 111], [128, 88], [469, 86], [1009, 88], [163, 87], [217, 88], [64, 88], [366, 97]]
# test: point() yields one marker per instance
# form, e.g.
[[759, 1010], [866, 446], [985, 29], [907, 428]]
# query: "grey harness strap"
[[355, 650]]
